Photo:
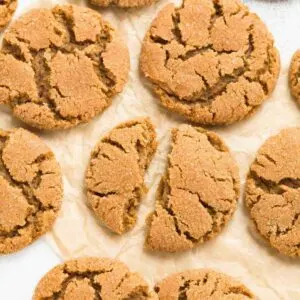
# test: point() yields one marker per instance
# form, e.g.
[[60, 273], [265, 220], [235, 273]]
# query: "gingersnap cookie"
[[122, 3], [211, 61], [92, 278], [115, 175], [273, 191], [197, 196], [30, 189], [294, 76], [62, 69], [202, 284], [7, 9]]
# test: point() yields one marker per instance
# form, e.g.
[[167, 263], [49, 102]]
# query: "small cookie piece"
[[197, 196], [122, 3], [294, 76], [115, 175], [202, 284], [7, 9], [30, 189], [211, 61], [92, 278], [273, 191], [62, 69]]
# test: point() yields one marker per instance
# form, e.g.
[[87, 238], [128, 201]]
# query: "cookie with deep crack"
[[197, 196], [115, 175], [202, 284], [30, 189], [122, 3], [273, 191], [62, 69], [7, 9], [211, 61], [92, 278], [294, 76]]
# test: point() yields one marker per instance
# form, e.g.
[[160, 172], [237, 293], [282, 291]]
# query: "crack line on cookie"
[[210, 94], [43, 84], [27, 190]]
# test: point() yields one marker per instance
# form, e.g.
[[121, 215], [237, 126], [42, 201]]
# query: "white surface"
[[238, 251], [20, 272]]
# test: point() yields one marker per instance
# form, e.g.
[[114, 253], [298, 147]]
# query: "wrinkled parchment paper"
[[238, 250]]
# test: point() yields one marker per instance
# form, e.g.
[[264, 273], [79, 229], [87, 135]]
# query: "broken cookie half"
[[197, 196], [115, 175]]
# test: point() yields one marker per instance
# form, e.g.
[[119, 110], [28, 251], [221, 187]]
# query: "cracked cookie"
[[122, 3], [273, 191], [294, 76], [197, 196], [92, 278], [202, 284], [115, 175], [30, 189], [7, 9], [211, 61], [61, 67]]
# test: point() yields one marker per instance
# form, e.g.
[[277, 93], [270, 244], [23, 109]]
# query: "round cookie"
[[294, 76], [273, 191], [7, 9], [92, 278], [198, 195], [211, 61], [63, 68], [202, 284], [115, 175], [30, 189], [122, 3]]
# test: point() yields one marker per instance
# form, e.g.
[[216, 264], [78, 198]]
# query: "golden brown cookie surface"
[[212, 61], [7, 9], [63, 68], [198, 194], [273, 191], [115, 176], [30, 189], [122, 3], [92, 278], [202, 284], [294, 76]]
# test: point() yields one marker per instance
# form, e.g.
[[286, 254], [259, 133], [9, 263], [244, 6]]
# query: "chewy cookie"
[[115, 176], [7, 9], [198, 194], [202, 284], [273, 191], [63, 68], [92, 278], [212, 61], [122, 3], [294, 76], [30, 189]]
